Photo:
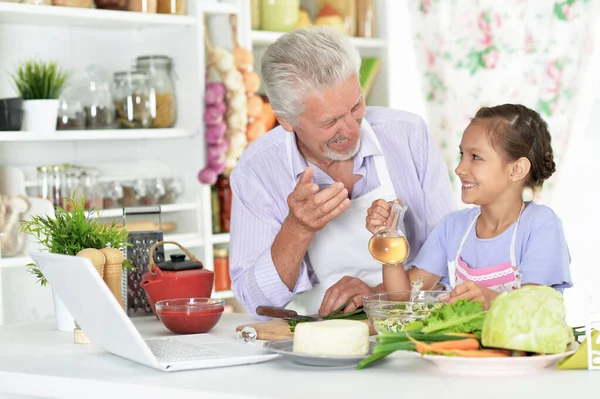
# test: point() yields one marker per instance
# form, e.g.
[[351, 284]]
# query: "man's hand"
[[311, 209], [471, 292], [348, 288]]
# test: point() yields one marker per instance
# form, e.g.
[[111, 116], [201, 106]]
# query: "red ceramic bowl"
[[190, 315]]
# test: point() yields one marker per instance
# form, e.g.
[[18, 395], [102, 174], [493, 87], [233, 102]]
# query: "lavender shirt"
[[541, 250], [262, 180]]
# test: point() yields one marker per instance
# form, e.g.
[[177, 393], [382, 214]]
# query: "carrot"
[[479, 353], [467, 344]]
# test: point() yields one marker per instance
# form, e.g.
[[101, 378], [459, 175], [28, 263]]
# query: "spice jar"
[[224, 202], [162, 89], [171, 7], [221, 269], [111, 4], [365, 19], [44, 182], [132, 99], [148, 6]]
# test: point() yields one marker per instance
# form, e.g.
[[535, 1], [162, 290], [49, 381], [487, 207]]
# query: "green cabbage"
[[530, 319]]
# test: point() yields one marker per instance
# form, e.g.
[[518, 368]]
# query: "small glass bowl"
[[190, 315], [391, 311]]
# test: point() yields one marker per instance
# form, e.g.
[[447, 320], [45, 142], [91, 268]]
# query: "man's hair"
[[304, 61]]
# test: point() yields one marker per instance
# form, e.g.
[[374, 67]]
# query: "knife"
[[286, 314]]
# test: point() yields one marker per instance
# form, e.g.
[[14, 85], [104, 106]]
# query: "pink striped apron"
[[500, 278]]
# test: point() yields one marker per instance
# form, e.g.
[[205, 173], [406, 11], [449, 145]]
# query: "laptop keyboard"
[[176, 350]]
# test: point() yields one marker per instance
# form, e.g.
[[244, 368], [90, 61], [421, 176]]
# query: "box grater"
[[134, 296]]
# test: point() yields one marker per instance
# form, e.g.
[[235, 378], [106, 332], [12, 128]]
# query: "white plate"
[[497, 366], [285, 348]]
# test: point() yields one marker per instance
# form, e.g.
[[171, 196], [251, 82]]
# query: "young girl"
[[504, 243]]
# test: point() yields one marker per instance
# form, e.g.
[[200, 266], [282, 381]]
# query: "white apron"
[[503, 277], [341, 248]]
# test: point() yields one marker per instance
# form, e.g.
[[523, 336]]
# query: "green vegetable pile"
[[530, 319]]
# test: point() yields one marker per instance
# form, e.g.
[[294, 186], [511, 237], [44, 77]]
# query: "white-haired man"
[[301, 191]]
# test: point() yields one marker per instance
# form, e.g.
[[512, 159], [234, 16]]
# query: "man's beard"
[[336, 156]]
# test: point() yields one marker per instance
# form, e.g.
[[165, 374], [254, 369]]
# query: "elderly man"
[[301, 191]]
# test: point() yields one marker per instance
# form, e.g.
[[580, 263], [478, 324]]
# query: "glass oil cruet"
[[389, 245]]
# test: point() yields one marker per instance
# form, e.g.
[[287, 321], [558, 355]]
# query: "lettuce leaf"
[[464, 317]]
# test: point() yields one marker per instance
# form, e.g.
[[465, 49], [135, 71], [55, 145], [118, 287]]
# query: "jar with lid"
[[132, 99], [279, 15], [44, 183], [112, 4], [73, 3], [221, 268], [71, 115], [148, 6], [72, 187], [91, 190], [97, 100], [162, 89], [58, 193], [171, 7]]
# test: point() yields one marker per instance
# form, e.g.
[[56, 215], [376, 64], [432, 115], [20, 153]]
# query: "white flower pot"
[[40, 115], [64, 320]]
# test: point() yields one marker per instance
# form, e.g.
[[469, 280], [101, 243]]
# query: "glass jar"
[[132, 100], [92, 192], [111, 4], [112, 195], [58, 192], [224, 202], [279, 15], [97, 100], [73, 3], [71, 115], [37, 2], [162, 89], [346, 10], [255, 11], [44, 183], [148, 6], [221, 269], [171, 7], [72, 186], [365, 19]]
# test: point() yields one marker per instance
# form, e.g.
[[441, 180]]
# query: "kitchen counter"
[[38, 360]]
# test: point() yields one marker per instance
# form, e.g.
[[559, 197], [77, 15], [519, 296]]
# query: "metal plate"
[[286, 347]]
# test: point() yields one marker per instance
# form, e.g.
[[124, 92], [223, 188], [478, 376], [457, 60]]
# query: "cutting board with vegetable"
[[278, 329]]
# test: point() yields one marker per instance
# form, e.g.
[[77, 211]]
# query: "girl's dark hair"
[[521, 132]]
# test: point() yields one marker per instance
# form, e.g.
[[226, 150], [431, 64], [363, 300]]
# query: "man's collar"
[[368, 147]]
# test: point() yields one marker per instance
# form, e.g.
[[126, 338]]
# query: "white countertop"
[[38, 360]]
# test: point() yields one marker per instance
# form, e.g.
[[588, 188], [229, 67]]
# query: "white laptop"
[[90, 302]]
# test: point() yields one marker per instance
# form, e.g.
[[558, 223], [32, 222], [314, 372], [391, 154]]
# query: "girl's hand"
[[377, 216], [471, 292]]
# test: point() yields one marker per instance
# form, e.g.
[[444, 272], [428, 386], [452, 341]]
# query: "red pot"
[[177, 278]]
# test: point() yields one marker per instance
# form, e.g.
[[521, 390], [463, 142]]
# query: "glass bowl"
[[190, 315], [391, 311]]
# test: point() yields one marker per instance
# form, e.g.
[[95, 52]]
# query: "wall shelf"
[[89, 135], [167, 208], [25, 14]]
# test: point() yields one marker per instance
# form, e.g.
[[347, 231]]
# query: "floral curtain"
[[475, 53]]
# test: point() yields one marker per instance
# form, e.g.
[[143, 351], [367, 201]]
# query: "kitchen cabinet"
[[77, 37]]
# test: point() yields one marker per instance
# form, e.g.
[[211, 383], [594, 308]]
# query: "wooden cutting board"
[[278, 329]]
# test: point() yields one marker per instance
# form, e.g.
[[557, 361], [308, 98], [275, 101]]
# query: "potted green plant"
[[67, 233], [39, 84]]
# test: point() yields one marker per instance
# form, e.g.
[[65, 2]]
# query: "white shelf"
[[167, 208], [222, 294], [18, 261], [87, 17], [221, 238], [87, 135], [264, 38]]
